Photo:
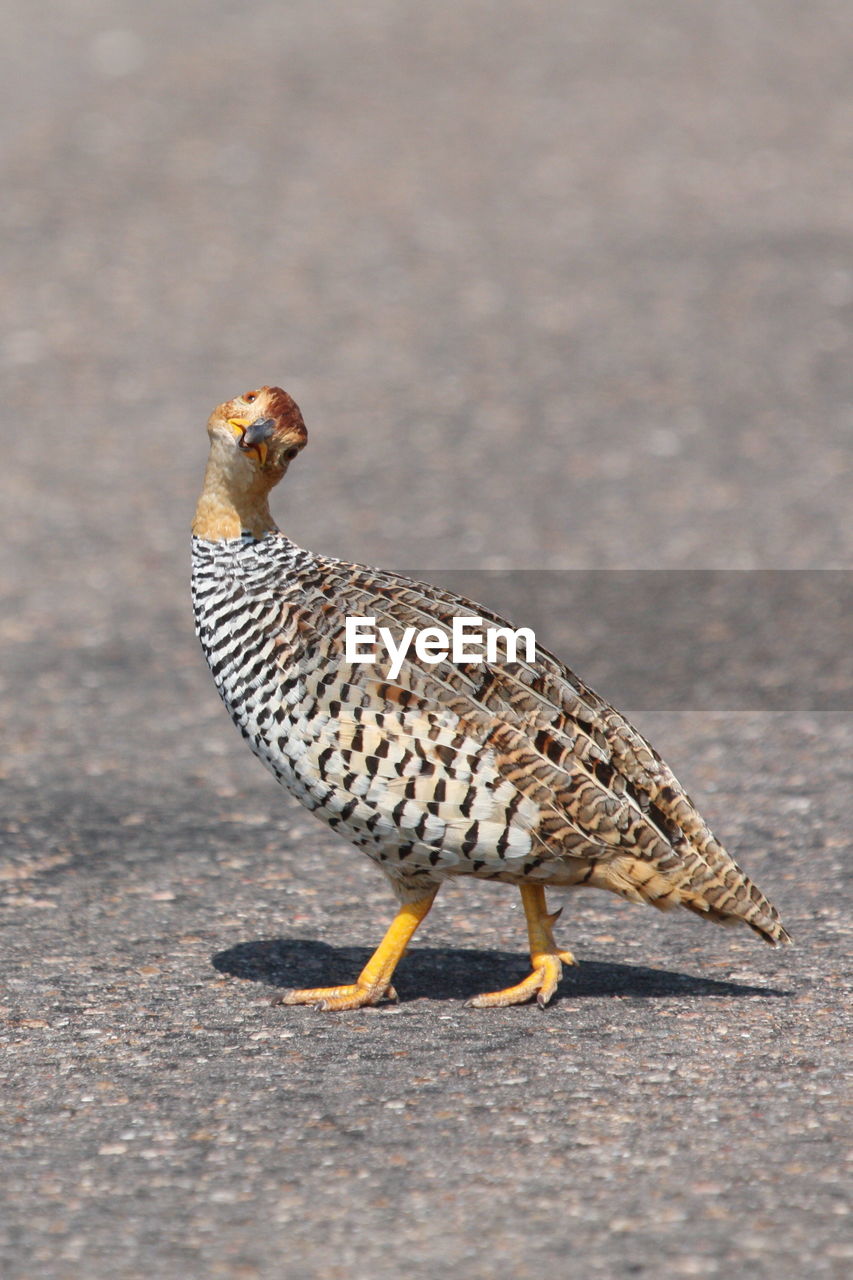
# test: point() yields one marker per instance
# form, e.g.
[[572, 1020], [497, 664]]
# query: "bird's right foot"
[[335, 999], [545, 957], [541, 983]]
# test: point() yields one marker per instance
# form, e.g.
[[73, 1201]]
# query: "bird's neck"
[[229, 505]]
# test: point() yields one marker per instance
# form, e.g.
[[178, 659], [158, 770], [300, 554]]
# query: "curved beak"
[[254, 435], [259, 432]]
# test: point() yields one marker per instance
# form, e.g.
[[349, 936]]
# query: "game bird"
[[511, 770]]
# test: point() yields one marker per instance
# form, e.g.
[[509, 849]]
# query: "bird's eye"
[[250, 397], [291, 454]]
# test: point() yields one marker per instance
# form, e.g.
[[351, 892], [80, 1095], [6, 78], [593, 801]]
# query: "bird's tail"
[[700, 873], [720, 892]]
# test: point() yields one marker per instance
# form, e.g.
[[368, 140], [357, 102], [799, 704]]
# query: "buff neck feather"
[[234, 498]]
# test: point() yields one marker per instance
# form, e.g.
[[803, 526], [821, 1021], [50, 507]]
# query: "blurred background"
[[556, 285]]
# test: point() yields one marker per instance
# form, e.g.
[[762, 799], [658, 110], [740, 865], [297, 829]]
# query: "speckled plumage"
[[509, 771]]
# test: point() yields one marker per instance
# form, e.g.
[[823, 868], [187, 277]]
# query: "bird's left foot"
[[374, 982], [335, 999]]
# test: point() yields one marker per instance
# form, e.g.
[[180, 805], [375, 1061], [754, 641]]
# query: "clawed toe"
[[541, 983], [336, 999], [546, 960]]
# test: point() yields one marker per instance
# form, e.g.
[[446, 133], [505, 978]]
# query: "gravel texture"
[[557, 287]]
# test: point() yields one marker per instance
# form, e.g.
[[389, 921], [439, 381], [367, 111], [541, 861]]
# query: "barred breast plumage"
[[513, 771]]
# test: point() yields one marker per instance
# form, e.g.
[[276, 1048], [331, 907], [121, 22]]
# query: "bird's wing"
[[554, 770], [565, 757]]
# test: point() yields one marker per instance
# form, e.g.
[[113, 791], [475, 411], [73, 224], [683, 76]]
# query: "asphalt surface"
[[560, 287]]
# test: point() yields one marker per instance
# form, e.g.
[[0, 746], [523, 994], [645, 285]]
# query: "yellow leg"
[[374, 981], [546, 959]]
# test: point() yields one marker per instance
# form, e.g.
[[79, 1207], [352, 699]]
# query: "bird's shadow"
[[451, 973]]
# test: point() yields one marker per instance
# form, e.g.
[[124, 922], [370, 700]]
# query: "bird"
[[506, 768]]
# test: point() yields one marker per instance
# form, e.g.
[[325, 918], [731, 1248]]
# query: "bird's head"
[[257, 435]]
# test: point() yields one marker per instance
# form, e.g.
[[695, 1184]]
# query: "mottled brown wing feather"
[[601, 792]]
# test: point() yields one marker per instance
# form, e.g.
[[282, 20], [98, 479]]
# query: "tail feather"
[[724, 894], [709, 880]]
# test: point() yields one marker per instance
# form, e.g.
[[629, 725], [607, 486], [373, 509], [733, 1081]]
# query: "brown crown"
[[273, 402]]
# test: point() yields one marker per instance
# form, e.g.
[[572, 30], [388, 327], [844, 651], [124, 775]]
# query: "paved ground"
[[557, 286]]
